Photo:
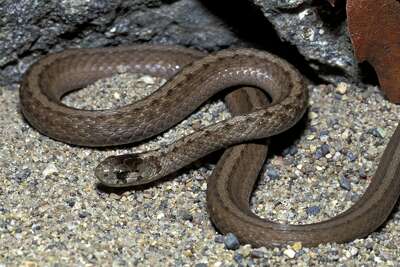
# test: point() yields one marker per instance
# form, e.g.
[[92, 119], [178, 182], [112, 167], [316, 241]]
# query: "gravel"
[[53, 212]]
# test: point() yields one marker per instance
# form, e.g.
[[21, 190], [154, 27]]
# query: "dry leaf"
[[374, 27]]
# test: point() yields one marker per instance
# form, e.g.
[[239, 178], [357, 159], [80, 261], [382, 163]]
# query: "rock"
[[259, 252], [30, 29], [313, 210], [345, 183], [297, 246], [245, 250], [50, 169], [314, 28], [341, 88], [290, 253], [22, 174], [351, 156], [272, 173], [231, 242]]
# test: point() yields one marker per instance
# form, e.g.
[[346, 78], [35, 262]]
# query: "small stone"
[[219, 239], [293, 150], [377, 132], [324, 133], [36, 227], [83, 214], [325, 149], [231, 242], [238, 258], [245, 250], [147, 79], [297, 246], [322, 151], [70, 202], [313, 210], [22, 174], [186, 216], [50, 169], [312, 115], [310, 137], [272, 173], [290, 253], [354, 251], [259, 252], [381, 132], [362, 173], [201, 264], [345, 183], [117, 96], [351, 156], [341, 88]]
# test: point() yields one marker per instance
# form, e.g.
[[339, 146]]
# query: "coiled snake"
[[193, 78]]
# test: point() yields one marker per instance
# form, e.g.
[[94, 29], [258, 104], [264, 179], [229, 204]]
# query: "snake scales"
[[193, 78]]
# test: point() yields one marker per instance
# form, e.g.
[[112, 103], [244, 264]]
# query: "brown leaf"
[[374, 27]]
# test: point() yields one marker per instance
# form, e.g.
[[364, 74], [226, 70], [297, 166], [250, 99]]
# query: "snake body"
[[193, 78]]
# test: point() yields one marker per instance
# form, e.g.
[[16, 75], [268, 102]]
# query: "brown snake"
[[193, 78]]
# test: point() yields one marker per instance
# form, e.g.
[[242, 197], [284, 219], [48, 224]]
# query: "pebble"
[[297, 246], [313, 210], [245, 250], [22, 175], [351, 156], [341, 88], [290, 253], [272, 173], [219, 238], [345, 183], [378, 132], [50, 169], [259, 252], [231, 242]]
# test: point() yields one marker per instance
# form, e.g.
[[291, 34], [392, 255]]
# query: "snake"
[[266, 96]]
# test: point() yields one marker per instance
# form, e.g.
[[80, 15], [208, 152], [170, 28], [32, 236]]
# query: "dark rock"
[[238, 257], [219, 239], [186, 216], [272, 173], [293, 150], [313, 210], [30, 29], [83, 214], [257, 253], [36, 227], [70, 202], [351, 156], [231, 242], [322, 151], [319, 33], [345, 183], [377, 132], [324, 133], [362, 173], [22, 175]]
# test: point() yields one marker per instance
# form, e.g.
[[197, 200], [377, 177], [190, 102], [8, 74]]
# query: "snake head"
[[127, 170]]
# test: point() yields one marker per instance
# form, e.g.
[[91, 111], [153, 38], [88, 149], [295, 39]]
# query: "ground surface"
[[52, 210]]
